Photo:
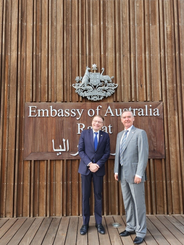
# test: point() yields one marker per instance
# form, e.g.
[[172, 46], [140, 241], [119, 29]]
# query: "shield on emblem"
[[94, 78]]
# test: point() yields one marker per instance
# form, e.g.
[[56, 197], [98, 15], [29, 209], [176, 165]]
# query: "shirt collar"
[[129, 128]]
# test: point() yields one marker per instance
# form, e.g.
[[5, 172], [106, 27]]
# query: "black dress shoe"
[[138, 240], [84, 229], [126, 233], [100, 229]]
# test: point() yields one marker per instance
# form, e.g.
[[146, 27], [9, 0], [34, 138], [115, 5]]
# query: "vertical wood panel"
[[133, 51], [110, 38], [94, 32], [172, 104], [52, 176], [148, 190], [148, 49], [29, 37], [53, 51], [153, 184], [36, 193], [82, 39], [164, 94], [125, 47], [155, 52], [59, 188], [42, 185], [140, 46], [17, 117], [180, 8], [32, 190], [11, 104], [102, 33], [117, 45], [34, 49], [159, 187], [74, 69], [44, 45], [24, 203], [180, 139], [19, 198], [44, 51], [3, 96], [48, 197], [38, 53], [5, 121], [75, 187], [60, 50], [87, 27]]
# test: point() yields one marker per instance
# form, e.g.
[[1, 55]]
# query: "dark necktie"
[[95, 141], [122, 146]]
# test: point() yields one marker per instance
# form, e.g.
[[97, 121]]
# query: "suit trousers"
[[135, 208], [86, 192]]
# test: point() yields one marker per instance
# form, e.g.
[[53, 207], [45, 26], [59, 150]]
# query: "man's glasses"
[[97, 121]]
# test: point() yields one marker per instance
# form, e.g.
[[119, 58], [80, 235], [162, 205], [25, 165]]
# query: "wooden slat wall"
[[44, 45]]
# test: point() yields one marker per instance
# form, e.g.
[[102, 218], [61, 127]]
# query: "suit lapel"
[[119, 141], [91, 137], [132, 131], [100, 137]]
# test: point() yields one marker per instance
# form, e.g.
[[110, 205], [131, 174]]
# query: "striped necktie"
[[122, 146], [95, 141]]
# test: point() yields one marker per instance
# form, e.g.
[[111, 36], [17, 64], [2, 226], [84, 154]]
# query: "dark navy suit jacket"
[[88, 154]]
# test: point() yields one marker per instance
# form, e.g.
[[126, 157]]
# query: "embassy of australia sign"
[[52, 130]]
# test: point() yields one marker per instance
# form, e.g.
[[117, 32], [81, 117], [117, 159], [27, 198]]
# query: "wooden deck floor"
[[162, 230]]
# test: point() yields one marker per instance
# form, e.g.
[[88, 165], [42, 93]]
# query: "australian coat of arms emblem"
[[94, 85]]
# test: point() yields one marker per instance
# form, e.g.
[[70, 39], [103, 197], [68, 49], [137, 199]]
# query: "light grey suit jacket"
[[135, 156]]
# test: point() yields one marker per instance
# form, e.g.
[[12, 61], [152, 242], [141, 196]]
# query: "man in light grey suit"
[[130, 164]]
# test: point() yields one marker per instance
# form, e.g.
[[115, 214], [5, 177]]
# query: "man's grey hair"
[[127, 111]]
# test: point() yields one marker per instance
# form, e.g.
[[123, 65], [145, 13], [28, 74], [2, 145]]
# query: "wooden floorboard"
[[21, 232], [30, 234], [162, 229], [42, 231], [155, 234]]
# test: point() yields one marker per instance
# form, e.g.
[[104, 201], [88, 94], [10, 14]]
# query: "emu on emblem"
[[94, 85]]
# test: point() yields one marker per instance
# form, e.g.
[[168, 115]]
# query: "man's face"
[[127, 119], [97, 123]]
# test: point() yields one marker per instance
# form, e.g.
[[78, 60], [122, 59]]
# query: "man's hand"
[[116, 176], [137, 180], [93, 167]]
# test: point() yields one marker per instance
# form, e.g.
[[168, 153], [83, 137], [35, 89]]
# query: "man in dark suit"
[[130, 163], [94, 150]]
